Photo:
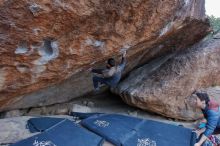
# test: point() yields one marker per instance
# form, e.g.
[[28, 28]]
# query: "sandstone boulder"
[[165, 85], [47, 46]]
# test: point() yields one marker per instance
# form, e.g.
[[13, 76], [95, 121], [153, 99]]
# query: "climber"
[[109, 76], [211, 111]]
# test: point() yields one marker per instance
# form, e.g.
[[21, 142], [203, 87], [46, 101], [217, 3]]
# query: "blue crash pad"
[[65, 133], [41, 124], [129, 131]]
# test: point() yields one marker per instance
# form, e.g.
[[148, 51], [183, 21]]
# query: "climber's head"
[[110, 62], [202, 99]]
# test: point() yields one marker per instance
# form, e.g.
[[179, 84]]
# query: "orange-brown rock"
[[165, 85], [47, 46]]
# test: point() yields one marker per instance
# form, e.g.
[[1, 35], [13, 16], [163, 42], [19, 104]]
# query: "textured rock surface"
[[47, 46], [163, 86]]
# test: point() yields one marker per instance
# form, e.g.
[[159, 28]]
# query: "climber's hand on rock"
[[124, 53]]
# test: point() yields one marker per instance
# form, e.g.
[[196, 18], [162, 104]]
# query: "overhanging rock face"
[[165, 85], [47, 46]]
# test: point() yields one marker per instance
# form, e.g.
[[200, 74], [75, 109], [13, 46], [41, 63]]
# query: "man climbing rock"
[[109, 76]]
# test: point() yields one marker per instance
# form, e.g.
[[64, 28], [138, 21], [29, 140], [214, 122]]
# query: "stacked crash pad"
[[120, 130], [42, 124], [129, 131]]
